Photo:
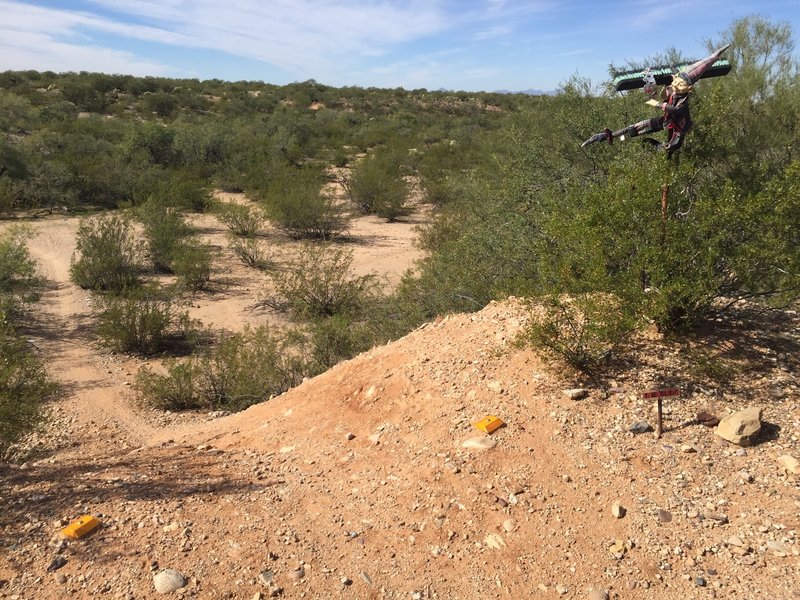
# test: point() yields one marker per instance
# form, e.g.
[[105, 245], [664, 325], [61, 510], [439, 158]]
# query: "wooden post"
[[659, 396], [660, 420]]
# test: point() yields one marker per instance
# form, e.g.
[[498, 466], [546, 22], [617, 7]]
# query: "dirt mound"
[[358, 484]]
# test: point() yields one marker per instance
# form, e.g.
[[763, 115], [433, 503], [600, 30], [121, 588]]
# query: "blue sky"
[[455, 44]]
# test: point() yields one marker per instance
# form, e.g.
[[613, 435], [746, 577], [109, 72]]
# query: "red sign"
[[667, 393]]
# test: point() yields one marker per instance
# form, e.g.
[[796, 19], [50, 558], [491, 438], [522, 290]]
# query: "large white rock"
[[168, 580], [479, 443], [790, 463], [741, 426]]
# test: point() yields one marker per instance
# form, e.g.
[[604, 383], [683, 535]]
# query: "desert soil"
[[358, 484]]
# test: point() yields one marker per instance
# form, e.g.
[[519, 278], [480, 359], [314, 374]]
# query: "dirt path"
[[94, 385], [97, 400]]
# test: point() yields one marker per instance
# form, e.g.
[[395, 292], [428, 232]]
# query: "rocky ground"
[[370, 481]]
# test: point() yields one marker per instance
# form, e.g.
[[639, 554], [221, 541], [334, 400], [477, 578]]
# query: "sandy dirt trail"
[[95, 393], [96, 384]]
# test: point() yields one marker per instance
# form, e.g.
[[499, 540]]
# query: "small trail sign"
[[659, 395], [666, 393]]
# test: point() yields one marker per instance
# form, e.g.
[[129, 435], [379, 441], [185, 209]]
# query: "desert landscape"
[[371, 481]]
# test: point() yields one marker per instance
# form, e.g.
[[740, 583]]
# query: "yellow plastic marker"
[[489, 424], [80, 527]]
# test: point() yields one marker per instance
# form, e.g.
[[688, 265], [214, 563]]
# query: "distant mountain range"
[[530, 92]]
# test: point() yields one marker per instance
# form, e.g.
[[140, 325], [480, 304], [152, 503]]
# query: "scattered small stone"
[[561, 589], [275, 591], [494, 541], [61, 578], [664, 516], [266, 577], [721, 519], [350, 436], [58, 562], [618, 510], [789, 463], [700, 582], [707, 419], [640, 427], [777, 547], [576, 393], [598, 595], [509, 525], [618, 549], [168, 580], [479, 443], [365, 576], [740, 427], [687, 449], [297, 574], [735, 541]]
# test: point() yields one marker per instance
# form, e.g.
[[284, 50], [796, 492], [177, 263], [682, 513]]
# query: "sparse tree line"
[[520, 209]]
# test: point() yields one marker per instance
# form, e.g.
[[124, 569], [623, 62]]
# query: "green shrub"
[[164, 231], [191, 262], [340, 158], [18, 279], [251, 253], [297, 204], [340, 337], [178, 389], [107, 254], [584, 330], [144, 325], [251, 366], [244, 221], [318, 283], [378, 187], [243, 369], [24, 387]]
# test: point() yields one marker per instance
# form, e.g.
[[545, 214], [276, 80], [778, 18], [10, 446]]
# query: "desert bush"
[[107, 254], [252, 366], [340, 337], [144, 325], [296, 203], [244, 221], [178, 389], [192, 264], [187, 191], [164, 230], [243, 369], [251, 253], [340, 158], [18, 278], [318, 283], [377, 186], [161, 104], [584, 330], [24, 387]]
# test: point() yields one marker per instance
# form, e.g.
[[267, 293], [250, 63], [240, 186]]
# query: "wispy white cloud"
[[494, 32], [37, 38], [31, 50], [299, 36]]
